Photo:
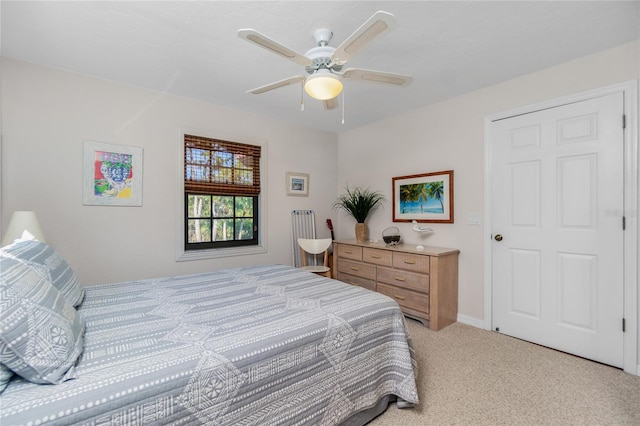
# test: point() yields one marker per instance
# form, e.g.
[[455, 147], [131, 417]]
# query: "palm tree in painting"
[[420, 194], [405, 196], [435, 190], [413, 193]]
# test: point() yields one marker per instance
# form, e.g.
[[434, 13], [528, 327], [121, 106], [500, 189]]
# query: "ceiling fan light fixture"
[[323, 85]]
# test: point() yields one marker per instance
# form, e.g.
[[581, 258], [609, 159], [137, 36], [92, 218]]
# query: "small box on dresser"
[[424, 283]]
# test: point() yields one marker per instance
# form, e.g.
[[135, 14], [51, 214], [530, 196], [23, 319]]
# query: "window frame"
[[181, 254], [226, 243]]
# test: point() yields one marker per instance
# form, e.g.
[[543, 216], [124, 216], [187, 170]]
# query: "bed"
[[259, 345]]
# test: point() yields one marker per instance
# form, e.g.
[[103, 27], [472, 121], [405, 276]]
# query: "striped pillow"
[[41, 334], [5, 376], [62, 276]]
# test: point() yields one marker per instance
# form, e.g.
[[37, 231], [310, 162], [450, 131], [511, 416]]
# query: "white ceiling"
[[192, 49]]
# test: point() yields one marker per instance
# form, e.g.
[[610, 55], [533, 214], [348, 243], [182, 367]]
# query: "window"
[[222, 185]]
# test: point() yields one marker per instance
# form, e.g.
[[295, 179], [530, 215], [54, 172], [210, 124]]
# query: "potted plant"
[[358, 203]]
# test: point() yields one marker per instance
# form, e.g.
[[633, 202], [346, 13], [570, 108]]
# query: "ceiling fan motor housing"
[[321, 59]]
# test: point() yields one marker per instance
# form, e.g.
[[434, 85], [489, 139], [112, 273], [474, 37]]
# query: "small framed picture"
[[298, 184], [112, 175]]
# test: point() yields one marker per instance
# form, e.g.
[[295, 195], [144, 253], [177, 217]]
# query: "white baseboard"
[[474, 322]]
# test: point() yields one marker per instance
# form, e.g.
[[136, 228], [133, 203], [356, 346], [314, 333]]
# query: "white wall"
[[449, 135], [46, 116]]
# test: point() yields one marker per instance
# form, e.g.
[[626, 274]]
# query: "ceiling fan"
[[324, 64]]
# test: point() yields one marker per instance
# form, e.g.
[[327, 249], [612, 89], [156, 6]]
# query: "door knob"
[[498, 237]]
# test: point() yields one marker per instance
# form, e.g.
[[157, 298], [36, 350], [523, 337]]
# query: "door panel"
[[577, 287], [525, 194], [525, 283], [557, 274], [577, 202]]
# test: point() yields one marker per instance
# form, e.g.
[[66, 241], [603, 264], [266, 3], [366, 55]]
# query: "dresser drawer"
[[350, 252], [357, 281], [358, 269], [406, 298], [411, 262], [379, 257], [409, 280]]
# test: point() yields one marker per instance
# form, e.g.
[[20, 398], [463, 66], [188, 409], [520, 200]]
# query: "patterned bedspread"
[[258, 345]]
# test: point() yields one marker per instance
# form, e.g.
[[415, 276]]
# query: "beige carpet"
[[469, 376]]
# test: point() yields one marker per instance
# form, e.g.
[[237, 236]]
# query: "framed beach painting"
[[112, 175], [298, 184], [426, 197]]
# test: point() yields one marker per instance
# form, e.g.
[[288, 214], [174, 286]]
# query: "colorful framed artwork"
[[112, 175], [426, 197], [298, 184]]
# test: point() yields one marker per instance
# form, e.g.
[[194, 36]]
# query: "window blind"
[[214, 166]]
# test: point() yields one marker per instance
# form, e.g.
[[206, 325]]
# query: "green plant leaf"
[[358, 202]]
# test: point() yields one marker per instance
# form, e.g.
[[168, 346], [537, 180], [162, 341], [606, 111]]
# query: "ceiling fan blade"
[[273, 46], [379, 23], [377, 77], [330, 104], [277, 84]]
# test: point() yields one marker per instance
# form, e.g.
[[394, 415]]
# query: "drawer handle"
[[348, 251], [399, 297], [376, 256], [400, 278], [354, 284], [410, 262], [353, 268]]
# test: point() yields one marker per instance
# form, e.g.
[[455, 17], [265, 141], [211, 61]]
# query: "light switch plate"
[[474, 219]]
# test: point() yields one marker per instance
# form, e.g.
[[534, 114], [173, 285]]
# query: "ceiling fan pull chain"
[[302, 95]]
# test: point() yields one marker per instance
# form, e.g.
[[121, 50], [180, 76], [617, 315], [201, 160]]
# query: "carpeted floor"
[[469, 376]]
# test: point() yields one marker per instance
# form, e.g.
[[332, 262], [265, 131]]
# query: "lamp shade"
[[323, 85], [23, 225]]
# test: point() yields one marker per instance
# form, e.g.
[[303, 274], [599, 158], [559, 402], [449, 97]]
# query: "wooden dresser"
[[424, 283]]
